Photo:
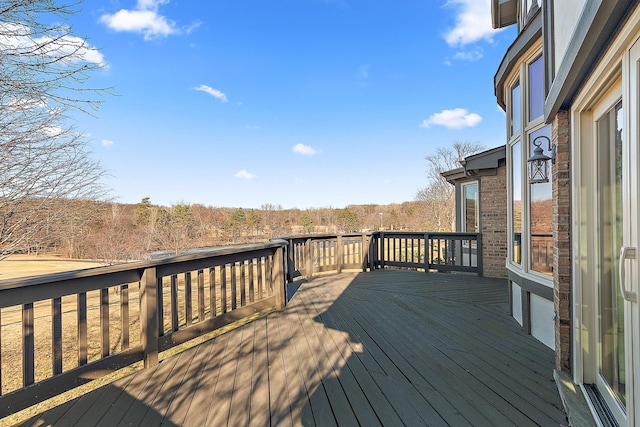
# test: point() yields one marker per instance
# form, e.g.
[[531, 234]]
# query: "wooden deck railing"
[[82, 325], [62, 330], [444, 252]]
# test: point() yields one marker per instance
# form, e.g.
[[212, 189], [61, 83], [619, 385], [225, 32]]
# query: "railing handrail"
[[6, 284]]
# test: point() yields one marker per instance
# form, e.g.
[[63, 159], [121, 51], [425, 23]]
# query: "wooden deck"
[[383, 348]]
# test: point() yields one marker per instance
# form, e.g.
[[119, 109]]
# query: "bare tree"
[[176, 228], [43, 74], [438, 194]]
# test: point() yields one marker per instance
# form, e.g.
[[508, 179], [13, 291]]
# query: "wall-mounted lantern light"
[[539, 167]]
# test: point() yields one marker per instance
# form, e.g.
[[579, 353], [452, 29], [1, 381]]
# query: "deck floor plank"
[[259, 414], [479, 404], [168, 391], [381, 405], [387, 347], [291, 389], [199, 407], [421, 370], [356, 402], [318, 395], [220, 403], [241, 397], [191, 384]]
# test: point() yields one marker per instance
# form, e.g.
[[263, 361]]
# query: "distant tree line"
[[114, 232]]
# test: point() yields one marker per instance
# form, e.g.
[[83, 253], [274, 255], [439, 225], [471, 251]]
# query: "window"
[[530, 205], [541, 210], [536, 89], [470, 208], [516, 203], [515, 109]]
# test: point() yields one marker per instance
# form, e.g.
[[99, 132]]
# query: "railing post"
[[364, 252], [376, 251], [149, 317], [279, 284], [339, 254], [291, 265], [381, 255], [308, 273], [372, 251], [427, 253]]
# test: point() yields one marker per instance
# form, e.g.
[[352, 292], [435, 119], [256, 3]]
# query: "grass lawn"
[[32, 265]]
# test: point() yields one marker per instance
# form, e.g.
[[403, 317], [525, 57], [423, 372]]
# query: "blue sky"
[[302, 103]]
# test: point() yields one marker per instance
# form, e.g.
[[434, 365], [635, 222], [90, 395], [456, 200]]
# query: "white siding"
[[516, 302], [567, 13], [542, 325]]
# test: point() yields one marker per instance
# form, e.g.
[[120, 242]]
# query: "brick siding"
[[493, 211], [562, 240]]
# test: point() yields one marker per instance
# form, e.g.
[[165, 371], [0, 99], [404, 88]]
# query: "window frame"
[[463, 204], [520, 76]]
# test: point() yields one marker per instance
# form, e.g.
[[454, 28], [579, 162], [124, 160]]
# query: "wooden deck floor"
[[383, 348]]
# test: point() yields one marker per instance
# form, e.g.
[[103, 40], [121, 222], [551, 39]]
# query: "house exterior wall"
[[562, 241], [493, 223], [592, 99], [563, 28]]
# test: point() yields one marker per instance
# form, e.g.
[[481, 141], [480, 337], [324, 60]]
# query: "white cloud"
[[453, 119], [144, 18], [305, 150], [213, 92], [243, 174], [471, 55], [107, 142], [473, 22]]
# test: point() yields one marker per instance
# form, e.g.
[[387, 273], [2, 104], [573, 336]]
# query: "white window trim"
[[463, 191]]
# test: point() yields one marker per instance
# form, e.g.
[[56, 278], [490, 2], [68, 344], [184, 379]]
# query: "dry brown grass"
[[31, 265]]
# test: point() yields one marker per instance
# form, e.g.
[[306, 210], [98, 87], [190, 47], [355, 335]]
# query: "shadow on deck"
[[382, 348]]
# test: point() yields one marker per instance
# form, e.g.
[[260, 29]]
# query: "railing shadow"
[[95, 406]]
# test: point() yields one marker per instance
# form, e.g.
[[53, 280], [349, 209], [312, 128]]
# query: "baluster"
[[200, 295], [278, 279], [269, 274], [252, 297], [223, 288], [175, 325], [234, 287], [160, 294], [124, 315], [339, 254], [28, 361], [188, 309], [82, 328], [212, 292], [243, 283], [104, 321], [260, 279], [56, 335]]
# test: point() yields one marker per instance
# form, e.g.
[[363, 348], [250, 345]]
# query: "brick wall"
[[493, 211], [562, 240]]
